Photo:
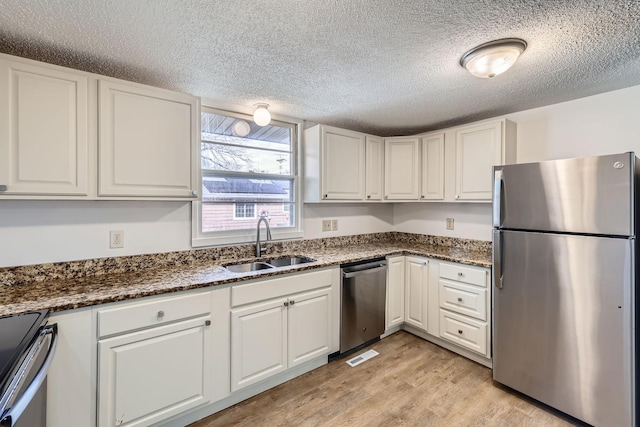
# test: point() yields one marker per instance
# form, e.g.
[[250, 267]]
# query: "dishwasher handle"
[[348, 275]]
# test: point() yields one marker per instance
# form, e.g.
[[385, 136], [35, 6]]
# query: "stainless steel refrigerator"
[[564, 276]]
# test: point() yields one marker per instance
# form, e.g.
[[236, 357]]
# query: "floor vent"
[[361, 358]]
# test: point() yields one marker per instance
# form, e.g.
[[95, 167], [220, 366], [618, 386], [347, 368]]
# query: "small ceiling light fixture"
[[493, 58], [262, 116]]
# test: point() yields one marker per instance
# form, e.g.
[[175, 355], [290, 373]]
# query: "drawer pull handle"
[[160, 314], [459, 299], [460, 275], [460, 331], [207, 323]]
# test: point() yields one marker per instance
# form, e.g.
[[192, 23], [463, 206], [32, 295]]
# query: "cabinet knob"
[[460, 331], [424, 263], [324, 196], [207, 323], [368, 196], [286, 303], [160, 314], [457, 197], [422, 197], [194, 193], [460, 274], [459, 299], [3, 187], [292, 302]]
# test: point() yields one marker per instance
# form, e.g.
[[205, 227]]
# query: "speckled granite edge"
[[136, 263]]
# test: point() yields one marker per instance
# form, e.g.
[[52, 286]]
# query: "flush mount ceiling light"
[[493, 58], [262, 116]]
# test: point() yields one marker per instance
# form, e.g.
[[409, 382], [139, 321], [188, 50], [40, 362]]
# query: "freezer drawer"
[[563, 322]]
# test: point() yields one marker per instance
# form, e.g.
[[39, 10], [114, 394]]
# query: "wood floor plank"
[[411, 383]]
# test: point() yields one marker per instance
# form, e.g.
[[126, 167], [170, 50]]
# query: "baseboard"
[[391, 331], [240, 395], [449, 346]]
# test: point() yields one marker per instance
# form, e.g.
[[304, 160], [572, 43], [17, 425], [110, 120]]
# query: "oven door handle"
[[13, 414]]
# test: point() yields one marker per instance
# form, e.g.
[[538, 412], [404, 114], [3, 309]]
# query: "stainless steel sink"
[[266, 265], [285, 261], [248, 266]]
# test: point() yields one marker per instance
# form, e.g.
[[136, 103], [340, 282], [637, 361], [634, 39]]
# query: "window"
[[248, 171], [244, 210]]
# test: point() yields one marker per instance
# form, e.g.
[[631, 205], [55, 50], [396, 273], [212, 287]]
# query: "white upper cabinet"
[[147, 141], [43, 130], [374, 167], [334, 164], [478, 148], [432, 187], [401, 168]]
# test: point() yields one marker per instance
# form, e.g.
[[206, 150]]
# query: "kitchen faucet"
[[260, 250]]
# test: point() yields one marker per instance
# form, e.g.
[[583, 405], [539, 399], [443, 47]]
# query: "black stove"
[[16, 334]]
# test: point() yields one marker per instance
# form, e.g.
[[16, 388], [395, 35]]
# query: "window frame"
[[213, 238]]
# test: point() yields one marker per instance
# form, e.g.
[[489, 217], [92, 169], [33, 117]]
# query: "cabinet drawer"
[[279, 287], [472, 275], [466, 332], [147, 314], [463, 299]]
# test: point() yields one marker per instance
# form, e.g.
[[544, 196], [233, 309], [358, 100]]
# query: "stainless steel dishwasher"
[[363, 297]]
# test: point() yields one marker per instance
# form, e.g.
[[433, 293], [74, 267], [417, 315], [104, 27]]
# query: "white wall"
[[471, 220], [33, 232], [600, 124], [48, 231], [352, 219]]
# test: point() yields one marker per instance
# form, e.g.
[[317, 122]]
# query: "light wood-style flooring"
[[411, 383]]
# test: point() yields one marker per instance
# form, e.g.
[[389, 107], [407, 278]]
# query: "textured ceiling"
[[385, 67]]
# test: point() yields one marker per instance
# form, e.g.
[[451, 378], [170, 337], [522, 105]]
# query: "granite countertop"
[[58, 294]]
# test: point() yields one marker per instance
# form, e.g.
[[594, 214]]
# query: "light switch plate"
[[334, 224], [326, 225], [449, 223]]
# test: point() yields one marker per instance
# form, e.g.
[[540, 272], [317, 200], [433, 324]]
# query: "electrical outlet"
[[334, 224], [326, 225], [449, 223], [116, 239]]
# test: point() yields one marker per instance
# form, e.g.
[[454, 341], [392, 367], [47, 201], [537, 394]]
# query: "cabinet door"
[[374, 167], [478, 149], [148, 376], [147, 140], [432, 187], [43, 130], [342, 164], [258, 342], [416, 292], [395, 292], [309, 326], [401, 169]]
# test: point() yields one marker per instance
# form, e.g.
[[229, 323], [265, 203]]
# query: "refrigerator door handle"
[[497, 198], [497, 259]]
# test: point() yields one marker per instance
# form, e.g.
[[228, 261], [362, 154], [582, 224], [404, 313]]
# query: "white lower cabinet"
[[395, 292], [71, 379], [158, 368], [278, 324], [445, 300], [465, 306], [416, 292], [258, 342], [271, 337]]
